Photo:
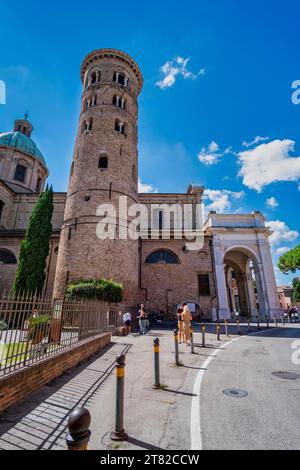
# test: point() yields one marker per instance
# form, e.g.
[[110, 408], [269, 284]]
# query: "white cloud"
[[212, 154], [280, 251], [173, 68], [221, 199], [146, 188], [272, 202], [268, 163], [257, 140], [282, 233]]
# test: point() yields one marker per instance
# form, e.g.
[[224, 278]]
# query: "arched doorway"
[[243, 283]]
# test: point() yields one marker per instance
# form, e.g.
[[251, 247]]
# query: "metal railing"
[[34, 328]]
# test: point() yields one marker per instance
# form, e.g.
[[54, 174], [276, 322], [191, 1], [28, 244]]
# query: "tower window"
[[20, 173], [119, 102], [1, 208], [119, 127], [103, 163], [91, 101], [87, 125], [120, 78], [94, 77]]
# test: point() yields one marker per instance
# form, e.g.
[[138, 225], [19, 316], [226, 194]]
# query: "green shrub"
[[3, 325], [96, 289], [38, 325]]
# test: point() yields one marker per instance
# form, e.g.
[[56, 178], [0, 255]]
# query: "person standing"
[[180, 325], [143, 320], [127, 322], [187, 321]]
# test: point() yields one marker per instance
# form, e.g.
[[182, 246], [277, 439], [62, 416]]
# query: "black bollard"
[[177, 362], [203, 329], [258, 324], [192, 340], [78, 426], [156, 363], [249, 321], [267, 321], [218, 331], [275, 321], [119, 434], [282, 320]]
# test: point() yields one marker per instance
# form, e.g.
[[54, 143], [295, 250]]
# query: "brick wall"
[[25, 381]]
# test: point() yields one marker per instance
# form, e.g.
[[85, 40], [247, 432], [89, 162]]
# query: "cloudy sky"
[[216, 108]]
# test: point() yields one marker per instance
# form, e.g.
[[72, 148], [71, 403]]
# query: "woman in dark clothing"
[[143, 318]]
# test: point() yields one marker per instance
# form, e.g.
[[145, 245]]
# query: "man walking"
[[127, 322]]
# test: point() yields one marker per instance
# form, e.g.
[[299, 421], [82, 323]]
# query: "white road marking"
[[196, 432]]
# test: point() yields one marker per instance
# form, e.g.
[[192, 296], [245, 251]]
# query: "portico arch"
[[244, 283]]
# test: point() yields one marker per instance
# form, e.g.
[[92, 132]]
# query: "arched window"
[[120, 78], [119, 127], [7, 257], [162, 257], [95, 77], [119, 102], [87, 125], [103, 163]]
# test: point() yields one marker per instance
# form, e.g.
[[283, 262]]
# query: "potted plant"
[[38, 328]]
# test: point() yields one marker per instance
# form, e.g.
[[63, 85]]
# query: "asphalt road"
[[269, 416]]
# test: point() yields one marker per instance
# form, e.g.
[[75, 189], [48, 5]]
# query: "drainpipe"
[[140, 270]]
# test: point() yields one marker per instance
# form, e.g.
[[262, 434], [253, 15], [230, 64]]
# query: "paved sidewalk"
[[154, 419]]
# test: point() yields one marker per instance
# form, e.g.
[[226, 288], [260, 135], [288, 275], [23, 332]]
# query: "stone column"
[[223, 310], [268, 278], [252, 299]]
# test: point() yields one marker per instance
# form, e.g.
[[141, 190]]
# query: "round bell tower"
[[104, 167]]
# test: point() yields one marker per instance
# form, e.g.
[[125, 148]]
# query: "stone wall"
[[170, 284]]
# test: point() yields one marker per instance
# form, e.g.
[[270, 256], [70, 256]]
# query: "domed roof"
[[22, 142]]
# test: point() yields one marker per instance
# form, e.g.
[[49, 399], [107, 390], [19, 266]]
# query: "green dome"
[[23, 143]]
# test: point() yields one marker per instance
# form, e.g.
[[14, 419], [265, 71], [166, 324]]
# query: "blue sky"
[[195, 115]]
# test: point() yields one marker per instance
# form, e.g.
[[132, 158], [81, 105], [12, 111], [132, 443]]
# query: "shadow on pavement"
[[40, 420]]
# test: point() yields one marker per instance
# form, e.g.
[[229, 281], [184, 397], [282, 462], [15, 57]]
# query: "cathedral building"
[[230, 272]]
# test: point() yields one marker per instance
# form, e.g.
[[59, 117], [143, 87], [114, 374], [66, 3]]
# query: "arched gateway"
[[244, 272]]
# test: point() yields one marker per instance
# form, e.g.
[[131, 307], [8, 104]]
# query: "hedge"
[[95, 289]]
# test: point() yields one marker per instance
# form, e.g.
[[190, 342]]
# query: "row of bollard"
[[79, 420]]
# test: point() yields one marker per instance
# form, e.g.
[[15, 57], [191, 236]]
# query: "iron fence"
[[34, 328]]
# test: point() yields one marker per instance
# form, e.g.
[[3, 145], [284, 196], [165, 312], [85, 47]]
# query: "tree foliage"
[[96, 289], [31, 271], [296, 290], [290, 261]]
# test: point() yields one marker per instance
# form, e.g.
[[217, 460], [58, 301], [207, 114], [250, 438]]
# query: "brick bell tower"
[[104, 167]]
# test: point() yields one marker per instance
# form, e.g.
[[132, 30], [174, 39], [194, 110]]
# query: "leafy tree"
[[296, 290], [30, 275], [290, 261]]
